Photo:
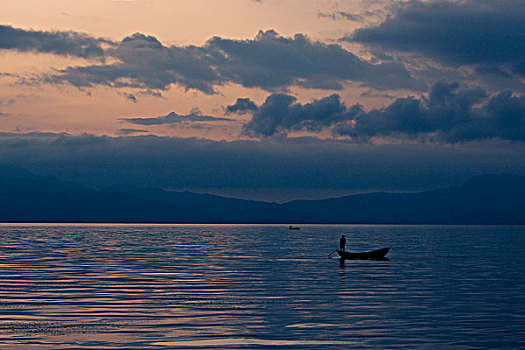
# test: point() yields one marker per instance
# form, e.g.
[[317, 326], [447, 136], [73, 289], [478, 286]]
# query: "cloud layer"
[[448, 113], [270, 163], [174, 118], [58, 43], [242, 106], [467, 32], [281, 113], [269, 61]]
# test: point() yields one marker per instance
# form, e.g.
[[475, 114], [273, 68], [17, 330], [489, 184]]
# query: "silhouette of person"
[[342, 243]]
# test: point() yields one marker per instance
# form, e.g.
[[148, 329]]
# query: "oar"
[[330, 255]]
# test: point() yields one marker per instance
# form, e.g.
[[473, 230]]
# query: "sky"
[[272, 100]]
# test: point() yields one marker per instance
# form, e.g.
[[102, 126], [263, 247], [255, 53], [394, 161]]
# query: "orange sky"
[[386, 89], [99, 110]]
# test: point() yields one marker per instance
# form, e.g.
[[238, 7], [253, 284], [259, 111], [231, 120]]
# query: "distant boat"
[[293, 228], [378, 254]]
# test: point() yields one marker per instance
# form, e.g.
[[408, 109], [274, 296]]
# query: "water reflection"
[[142, 286], [342, 263]]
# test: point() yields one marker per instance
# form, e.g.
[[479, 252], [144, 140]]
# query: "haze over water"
[[248, 286]]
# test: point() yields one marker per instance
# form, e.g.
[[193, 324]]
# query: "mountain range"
[[486, 199]]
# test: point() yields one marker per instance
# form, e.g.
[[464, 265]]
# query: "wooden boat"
[[378, 254]]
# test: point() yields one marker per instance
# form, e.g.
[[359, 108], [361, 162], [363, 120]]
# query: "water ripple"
[[247, 287]]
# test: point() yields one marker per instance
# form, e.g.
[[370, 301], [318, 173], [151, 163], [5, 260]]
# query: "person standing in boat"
[[342, 243]]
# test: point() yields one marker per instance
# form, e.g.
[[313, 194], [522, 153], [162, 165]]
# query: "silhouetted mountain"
[[490, 199], [34, 199]]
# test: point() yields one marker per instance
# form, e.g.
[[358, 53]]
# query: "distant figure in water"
[[342, 243]]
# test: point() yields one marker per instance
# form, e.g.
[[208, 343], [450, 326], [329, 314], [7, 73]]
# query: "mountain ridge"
[[485, 199]]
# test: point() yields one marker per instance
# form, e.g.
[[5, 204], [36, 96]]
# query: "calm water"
[[243, 287]]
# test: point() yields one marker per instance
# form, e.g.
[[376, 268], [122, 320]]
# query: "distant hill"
[[489, 199]]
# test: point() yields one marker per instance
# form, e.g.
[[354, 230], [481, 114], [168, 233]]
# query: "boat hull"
[[378, 254]]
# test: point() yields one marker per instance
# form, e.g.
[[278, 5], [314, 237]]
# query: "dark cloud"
[[144, 63], [131, 97], [341, 15], [32, 136], [242, 106], [269, 61], [370, 93], [281, 113], [58, 43], [273, 163], [467, 32], [126, 132], [174, 118], [448, 114]]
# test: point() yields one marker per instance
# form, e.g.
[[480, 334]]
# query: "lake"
[[260, 286]]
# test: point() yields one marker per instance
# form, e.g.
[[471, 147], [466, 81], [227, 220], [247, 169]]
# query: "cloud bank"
[[58, 43], [269, 61], [270, 163], [242, 106], [447, 114], [468, 32], [281, 113]]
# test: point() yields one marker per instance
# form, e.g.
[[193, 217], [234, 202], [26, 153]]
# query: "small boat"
[[293, 228], [378, 254]]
